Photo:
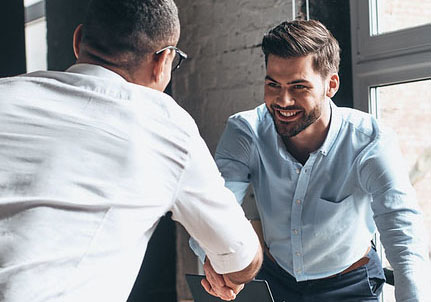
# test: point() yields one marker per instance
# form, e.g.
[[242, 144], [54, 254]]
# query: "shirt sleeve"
[[233, 156], [209, 212], [397, 216]]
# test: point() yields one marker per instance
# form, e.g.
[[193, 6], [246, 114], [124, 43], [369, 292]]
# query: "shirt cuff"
[[242, 255], [194, 245]]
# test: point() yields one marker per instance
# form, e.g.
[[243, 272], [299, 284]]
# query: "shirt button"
[[298, 270], [298, 254], [298, 202], [298, 171], [295, 231]]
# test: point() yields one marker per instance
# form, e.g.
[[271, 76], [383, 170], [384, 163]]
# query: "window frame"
[[34, 12], [384, 59]]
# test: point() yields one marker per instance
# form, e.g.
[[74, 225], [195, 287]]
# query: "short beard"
[[306, 120]]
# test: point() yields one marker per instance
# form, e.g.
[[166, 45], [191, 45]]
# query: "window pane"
[[30, 2], [393, 15], [35, 35], [35, 45], [406, 108]]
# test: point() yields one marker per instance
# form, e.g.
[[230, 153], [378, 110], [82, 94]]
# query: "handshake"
[[227, 286]]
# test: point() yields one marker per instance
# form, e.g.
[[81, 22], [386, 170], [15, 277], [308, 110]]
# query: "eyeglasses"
[[179, 56]]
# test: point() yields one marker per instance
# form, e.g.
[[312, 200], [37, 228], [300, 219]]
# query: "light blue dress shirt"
[[318, 218]]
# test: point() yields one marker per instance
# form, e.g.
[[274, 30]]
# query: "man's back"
[[88, 164]]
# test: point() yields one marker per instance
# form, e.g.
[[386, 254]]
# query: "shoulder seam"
[[251, 132]]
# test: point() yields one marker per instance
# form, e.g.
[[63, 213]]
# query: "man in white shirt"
[[91, 158]]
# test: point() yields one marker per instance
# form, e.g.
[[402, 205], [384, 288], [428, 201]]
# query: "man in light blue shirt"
[[325, 180]]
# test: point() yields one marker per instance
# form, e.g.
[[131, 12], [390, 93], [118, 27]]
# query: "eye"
[[272, 85], [299, 87]]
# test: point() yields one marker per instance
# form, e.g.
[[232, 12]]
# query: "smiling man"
[[326, 179], [295, 98]]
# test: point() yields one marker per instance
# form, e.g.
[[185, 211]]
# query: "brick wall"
[[226, 68], [223, 75]]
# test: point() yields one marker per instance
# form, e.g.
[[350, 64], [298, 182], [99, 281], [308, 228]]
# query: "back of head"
[[302, 38], [123, 32]]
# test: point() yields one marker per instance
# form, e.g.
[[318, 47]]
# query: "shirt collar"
[[95, 70], [334, 129]]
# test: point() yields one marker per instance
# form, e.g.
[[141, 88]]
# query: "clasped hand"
[[219, 285]]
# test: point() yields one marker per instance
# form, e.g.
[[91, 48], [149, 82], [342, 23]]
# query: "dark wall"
[[335, 15], [156, 279], [12, 47], [62, 17]]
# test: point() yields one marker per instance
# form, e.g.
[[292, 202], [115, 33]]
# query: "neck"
[[104, 64], [310, 139], [138, 74]]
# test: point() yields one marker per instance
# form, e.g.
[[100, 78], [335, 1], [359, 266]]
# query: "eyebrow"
[[267, 77]]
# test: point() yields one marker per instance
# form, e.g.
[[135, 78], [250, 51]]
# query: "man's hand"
[[219, 285], [228, 285]]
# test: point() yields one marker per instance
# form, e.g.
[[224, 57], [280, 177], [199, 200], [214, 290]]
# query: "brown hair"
[[301, 38]]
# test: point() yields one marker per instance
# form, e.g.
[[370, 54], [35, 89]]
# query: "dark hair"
[[130, 29], [301, 38]]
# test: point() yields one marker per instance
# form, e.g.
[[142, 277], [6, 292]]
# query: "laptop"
[[255, 290]]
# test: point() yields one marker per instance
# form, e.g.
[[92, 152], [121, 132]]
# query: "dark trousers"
[[362, 284]]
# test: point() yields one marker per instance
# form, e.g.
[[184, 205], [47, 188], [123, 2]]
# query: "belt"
[[361, 262]]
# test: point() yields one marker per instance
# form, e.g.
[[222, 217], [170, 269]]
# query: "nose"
[[284, 98]]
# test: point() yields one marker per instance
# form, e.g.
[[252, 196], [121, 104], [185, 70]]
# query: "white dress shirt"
[[88, 165]]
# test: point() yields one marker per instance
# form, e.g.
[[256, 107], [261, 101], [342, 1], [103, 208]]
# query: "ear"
[[334, 84], [160, 68], [77, 35]]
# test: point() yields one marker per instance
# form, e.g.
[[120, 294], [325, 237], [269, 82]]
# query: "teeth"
[[287, 114]]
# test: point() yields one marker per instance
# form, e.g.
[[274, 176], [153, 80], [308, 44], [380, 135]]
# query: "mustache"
[[286, 108]]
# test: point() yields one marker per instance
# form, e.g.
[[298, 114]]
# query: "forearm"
[[406, 249], [398, 218]]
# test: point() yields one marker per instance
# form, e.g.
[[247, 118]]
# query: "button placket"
[[296, 214]]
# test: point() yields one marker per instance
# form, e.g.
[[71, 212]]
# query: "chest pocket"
[[334, 214]]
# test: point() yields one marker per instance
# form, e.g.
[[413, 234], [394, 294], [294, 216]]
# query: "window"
[[35, 35], [391, 52], [394, 15], [406, 108]]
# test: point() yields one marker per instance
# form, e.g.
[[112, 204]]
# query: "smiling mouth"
[[287, 115]]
